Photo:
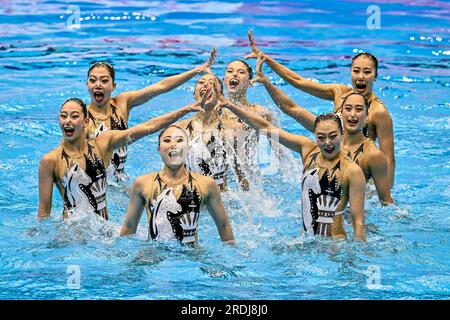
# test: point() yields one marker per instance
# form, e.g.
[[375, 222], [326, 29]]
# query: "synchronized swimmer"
[[221, 137]]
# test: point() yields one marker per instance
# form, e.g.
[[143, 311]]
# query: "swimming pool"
[[44, 60]]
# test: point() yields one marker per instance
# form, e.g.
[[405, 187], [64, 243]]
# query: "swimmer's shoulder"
[[377, 107], [50, 160], [144, 183], [205, 183], [378, 113], [351, 170], [373, 154]]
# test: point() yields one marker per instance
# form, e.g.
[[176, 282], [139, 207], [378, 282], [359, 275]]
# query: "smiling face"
[[72, 121], [363, 75], [100, 85], [328, 138], [354, 113], [204, 84], [237, 78], [173, 147]]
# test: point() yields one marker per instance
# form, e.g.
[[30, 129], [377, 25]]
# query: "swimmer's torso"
[[115, 120], [81, 181], [173, 211], [208, 152], [324, 195]]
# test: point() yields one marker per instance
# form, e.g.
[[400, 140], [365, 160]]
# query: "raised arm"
[[322, 91], [138, 97], [46, 181], [135, 209], [379, 170], [216, 209], [357, 188], [294, 142], [289, 107], [113, 139], [385, 133]]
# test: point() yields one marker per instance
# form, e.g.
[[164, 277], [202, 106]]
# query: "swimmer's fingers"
[[212, 57], [251, 56], [205, 97], [217, 91], [251, 39], [259, 63], [206, 66], [260, 76], [255, 50], [207, 71], [197, 107]]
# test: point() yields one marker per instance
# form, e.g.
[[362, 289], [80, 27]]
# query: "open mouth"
[[329, 149], [69, 131], [173, 154], [352, 122], [233, 83], [360, 87], [98, 96], [202, 92]]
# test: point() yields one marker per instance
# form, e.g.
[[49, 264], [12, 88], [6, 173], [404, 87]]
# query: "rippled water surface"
[[44, 60]]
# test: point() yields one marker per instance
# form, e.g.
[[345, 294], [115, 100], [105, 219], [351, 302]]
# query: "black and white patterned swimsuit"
[[321, 195], [84, 190], [172, 218], [119, 155], [208, 159]]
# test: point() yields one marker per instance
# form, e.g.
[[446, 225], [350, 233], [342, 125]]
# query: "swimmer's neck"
[[349, 139], [328, 163], [100, 110], [240, 99], [173, 174], [371, 96], [77, 146], [209, 116]]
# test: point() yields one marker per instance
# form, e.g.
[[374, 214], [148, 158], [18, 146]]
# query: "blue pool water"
[[43, 62]]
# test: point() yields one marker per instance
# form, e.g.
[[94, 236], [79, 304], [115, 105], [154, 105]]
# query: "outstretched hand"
[[199, 105], [260, 76], [206, 66], [255, 50], [223, 102]]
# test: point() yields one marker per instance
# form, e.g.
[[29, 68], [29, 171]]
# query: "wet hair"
[[249, 69], [329, 116], [370, 57], [103, 64], [79, 102], [171, 126], [366, 101]]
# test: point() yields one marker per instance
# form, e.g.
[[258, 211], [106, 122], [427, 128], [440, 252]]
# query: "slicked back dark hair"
[[79, 102], [370, 56], [328, 116], [366, 101], [171, 126], [106, 65]]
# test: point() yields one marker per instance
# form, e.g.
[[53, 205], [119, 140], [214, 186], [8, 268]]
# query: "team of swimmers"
[[222, 134]]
